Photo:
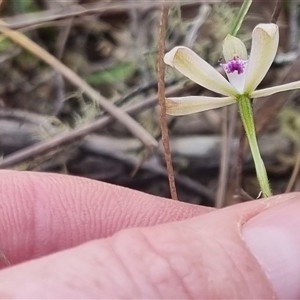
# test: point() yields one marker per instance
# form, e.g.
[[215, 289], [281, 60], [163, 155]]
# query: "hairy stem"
[[248, 123], [161, 100]]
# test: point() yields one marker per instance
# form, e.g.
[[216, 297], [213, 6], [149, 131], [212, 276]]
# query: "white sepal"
[[179, 106], [275, 89], [265, 39], [188, 63]]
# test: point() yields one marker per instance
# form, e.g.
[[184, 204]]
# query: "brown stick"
[[276, 11], [227, 137], [239, 165], [294, 175], [162, 103], [223, 172]]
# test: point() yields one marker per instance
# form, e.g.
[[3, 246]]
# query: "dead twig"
[[139, 90], [294, 175], [239, 165], [161, 100], [94, 144], [192, 34], [293, 25], [276, 11], [34, 19], [135, 128], [58, 78], [227, 137], [224, 161], [78, 133]]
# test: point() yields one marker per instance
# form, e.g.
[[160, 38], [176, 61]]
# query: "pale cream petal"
[[198, 70], [234, 47], [192, 104], [265, 39], [276, 89]]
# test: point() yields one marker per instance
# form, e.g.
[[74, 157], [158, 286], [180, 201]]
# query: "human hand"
[[247, 251]]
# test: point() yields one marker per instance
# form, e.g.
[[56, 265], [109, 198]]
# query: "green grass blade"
[[237, 23]]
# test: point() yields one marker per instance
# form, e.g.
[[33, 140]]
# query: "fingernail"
[[273, 237]]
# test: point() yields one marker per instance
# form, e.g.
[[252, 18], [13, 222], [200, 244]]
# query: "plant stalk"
[[246, 112]]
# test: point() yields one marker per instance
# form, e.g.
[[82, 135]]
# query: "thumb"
[[247, 251]]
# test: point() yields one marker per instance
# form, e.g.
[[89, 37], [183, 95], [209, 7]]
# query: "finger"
[[43, 213], [207, 257]]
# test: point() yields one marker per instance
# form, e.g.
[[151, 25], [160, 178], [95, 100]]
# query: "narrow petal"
[[265, 39], [276, 89], [192, 104], [234, 47], [198, 70]]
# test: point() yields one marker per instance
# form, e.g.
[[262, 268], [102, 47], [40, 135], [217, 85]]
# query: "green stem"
[[248, 122], [240, 17]]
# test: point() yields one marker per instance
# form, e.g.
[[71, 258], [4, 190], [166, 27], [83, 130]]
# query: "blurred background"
[[48, 124]]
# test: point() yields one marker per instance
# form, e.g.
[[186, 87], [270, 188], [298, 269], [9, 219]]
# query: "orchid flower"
[[244, 75]]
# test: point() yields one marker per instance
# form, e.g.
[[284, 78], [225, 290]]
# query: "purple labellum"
[[236, 64]]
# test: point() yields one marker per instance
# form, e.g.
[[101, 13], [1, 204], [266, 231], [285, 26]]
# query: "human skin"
[[69, 237]]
